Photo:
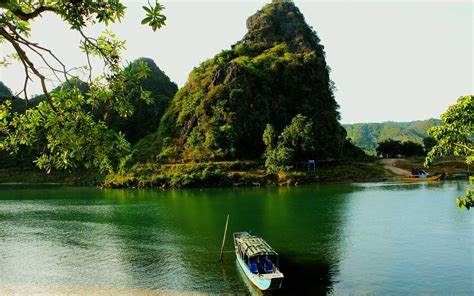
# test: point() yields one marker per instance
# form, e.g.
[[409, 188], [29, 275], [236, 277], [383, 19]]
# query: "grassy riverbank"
[[210, 174], [240, 173], [229, 174], [450, 165]]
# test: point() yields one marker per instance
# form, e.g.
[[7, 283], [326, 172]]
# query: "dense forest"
[[368, 135]]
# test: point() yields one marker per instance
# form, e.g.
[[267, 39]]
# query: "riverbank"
[[241, 173], [450, 165], [230, 174], [35, 176]]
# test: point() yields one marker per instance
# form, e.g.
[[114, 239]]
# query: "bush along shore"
[[240, 173]]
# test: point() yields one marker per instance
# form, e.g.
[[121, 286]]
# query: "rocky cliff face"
[[279, 22], [278, 70]]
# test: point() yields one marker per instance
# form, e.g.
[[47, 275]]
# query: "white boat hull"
[[270, 281]]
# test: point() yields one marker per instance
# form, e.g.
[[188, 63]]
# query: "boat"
[[416, 178], [258, 261]]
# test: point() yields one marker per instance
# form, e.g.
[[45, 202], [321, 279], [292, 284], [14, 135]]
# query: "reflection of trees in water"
[[461, 186], [175, 235], [306, 230], [302, 223], [149, 240], [314, 276], [170, 240], [401, 186]]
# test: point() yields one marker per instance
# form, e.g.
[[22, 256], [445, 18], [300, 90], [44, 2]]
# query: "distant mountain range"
[[367, 135]]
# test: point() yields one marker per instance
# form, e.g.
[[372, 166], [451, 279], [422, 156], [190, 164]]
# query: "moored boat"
[[419, 179], [258, 261]]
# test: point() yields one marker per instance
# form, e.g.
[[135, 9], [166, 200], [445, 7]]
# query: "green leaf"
[[148, 10], [146, 20]]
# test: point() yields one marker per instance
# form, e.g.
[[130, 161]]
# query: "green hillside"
[[145, 119], [367, 135]]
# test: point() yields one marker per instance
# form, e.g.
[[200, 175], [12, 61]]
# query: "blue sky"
[[390, 60]]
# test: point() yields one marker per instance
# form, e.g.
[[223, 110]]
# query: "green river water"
[[367, 238]]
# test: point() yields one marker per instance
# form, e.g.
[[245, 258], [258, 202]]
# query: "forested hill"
[[5, 92], [278, 70], [367, 135], [145, 119]]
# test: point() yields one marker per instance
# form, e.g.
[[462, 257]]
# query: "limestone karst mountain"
[[278, 70]]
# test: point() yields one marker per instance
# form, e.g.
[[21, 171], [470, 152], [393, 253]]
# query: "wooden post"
[[223, 239]]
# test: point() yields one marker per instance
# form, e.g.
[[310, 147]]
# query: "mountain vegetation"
[[368, 135], [144, 120], [146, 116], [5, 92], [292, 145], [277, 71]]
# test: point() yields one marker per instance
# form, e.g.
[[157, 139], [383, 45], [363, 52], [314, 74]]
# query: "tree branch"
[[22, 54], [88, 62], [30, 45], [88, 40], [465, 147], [25, 16]]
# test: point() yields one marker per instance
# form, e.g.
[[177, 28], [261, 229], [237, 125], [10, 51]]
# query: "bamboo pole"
[[223, 239]]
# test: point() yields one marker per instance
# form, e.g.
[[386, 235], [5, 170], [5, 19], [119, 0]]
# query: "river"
[[362, 238]]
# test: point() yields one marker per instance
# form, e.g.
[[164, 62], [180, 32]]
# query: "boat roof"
[[255, 246]]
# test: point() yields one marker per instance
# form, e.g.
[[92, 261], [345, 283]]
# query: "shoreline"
[[224, 174]]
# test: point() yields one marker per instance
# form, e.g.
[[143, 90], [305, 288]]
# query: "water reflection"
[[403, 238], [397, 185], [332, 238], [290, 219]]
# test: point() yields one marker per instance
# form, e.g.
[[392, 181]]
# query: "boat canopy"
[[255, 246]]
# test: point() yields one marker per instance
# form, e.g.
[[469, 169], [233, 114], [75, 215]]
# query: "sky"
[[390, 60]]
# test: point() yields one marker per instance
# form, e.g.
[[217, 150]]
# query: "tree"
[[392, 148], [410, 149], [389, 148], [277, 157], [269, 137], [456, 136], [65, 120], [299, 136], [428, 144], [294, 143]]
